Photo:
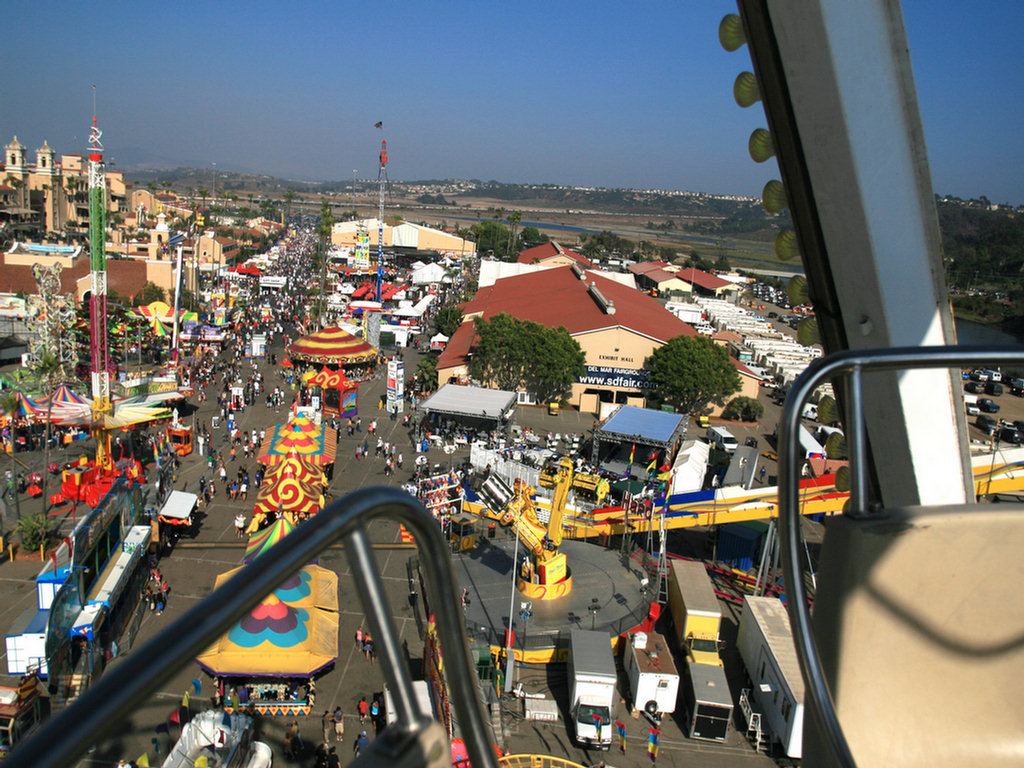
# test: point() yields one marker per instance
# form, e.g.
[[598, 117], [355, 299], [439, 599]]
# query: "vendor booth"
[[339, 395]]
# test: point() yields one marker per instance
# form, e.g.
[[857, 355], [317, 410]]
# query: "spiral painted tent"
[[288, 495], [332, 346], [292, 633], [302, 469], [299, 437]]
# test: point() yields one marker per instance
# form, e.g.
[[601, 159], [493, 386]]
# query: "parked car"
[[985, 423], [1010, 435], [1019, 426], [1017, 391], [979, 375], [974, 387], [988, 405], [994, 388]]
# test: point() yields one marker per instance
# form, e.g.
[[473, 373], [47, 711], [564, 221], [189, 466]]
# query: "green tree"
[[531, 236], [448, 320], [151, 292], [491, 236], [691, 371], [743, 408], [426, 372], [520, 354], [9, 404], [34, 531]]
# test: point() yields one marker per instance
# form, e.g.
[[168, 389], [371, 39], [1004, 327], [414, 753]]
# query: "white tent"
[[428, 273]]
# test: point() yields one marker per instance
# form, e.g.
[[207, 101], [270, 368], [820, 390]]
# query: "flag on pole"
[[201, 762], [198, 685], [597, 725], [176, 716], [652, 744], [184, 700], [621, 728], [652, 465], [632, 452], [404, 535]]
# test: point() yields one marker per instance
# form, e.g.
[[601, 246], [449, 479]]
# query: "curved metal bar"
[[105, 706], [821, 370]]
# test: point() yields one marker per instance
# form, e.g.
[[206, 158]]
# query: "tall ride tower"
[[382, 181], [101, 406]]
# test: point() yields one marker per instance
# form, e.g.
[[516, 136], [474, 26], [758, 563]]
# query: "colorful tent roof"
[[332, 346], [298, 467], [288, 494], [291, 633], [263, 540], [158, 328], [328, 379], [26, 406], [299, 437], [286, 363]]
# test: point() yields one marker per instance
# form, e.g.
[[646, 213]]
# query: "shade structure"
[[160, 309], [263, 540], [286, 363], [332, 346], [299, 437], [288, 495], [158, 328], [26, 407], [299, 467], [292, 633]]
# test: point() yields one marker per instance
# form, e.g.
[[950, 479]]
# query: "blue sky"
[[588, 93]]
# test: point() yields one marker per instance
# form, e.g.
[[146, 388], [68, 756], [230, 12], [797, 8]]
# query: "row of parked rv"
[[767, 350]]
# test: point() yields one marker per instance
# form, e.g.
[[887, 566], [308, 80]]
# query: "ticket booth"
[[462, 533]]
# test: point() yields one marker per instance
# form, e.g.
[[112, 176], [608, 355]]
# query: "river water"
[[976, 334]]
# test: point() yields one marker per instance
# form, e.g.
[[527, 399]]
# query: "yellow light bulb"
[[807, 332], [773, 196], [745, 90], [796, 290], [785, 245], [760, 145], [730, 32], [843, 482]]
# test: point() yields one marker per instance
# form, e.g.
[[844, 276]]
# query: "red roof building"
[[617, 328], [552, 254]]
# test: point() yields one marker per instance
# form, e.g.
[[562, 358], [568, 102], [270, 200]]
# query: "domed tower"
[[45, 160], [14, 158]]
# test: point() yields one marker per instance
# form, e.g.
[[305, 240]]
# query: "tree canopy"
[[691, 371], [448, 319], [520, 354]]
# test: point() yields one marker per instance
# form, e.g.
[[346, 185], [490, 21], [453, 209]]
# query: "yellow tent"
[[291, 633]]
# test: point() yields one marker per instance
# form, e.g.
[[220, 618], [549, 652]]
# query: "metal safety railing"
[[411, 741], [850, 365]]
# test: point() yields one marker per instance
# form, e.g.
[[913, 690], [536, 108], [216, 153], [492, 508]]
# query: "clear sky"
[[596, 93]]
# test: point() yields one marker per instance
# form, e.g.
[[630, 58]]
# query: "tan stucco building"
[[53, 194], [345, 234]]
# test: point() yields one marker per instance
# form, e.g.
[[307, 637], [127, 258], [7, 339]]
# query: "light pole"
[[510, 657]]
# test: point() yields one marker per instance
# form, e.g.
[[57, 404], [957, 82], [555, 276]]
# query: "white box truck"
[[592, 679], [722, 439], [653, 680], [765, 643]]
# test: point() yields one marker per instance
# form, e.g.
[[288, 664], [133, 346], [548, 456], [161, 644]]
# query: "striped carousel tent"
[[332, 346], [299, 437]]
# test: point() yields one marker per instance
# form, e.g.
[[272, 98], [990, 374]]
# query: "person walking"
[[361, 743], [327, 725], [362, 707], [240, 525], [339, 725]]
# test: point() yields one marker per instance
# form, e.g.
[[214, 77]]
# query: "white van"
[[722, 438]]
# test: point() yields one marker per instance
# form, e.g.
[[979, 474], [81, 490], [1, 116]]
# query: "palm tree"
[[9, 404], [50, 371]]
